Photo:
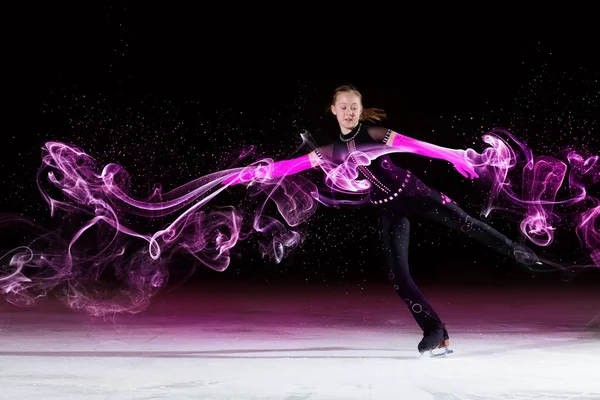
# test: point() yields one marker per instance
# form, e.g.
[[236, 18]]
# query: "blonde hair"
[[368, 114]]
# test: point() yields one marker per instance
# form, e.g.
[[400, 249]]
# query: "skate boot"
[[435, 342], [524, 255]]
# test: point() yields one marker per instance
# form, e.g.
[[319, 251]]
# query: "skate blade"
[[440, 352]]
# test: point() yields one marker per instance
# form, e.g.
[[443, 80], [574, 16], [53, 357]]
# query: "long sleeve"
[[426, 149], [404, 143], [271, 170]]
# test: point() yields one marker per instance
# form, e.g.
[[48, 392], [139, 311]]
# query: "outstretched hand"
[[464, 167]]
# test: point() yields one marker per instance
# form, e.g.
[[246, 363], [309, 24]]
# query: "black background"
[[167, 92]]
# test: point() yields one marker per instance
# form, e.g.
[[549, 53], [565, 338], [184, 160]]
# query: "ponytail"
[[373, 114]]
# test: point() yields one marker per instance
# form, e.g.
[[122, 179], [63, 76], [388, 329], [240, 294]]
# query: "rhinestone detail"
[[391, 197]]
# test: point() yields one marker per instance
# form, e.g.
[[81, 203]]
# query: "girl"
[[358, 155]]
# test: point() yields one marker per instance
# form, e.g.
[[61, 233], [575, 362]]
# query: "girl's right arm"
[[277, 169]]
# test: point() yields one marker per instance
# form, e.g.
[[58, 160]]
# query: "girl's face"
[[347, 110]]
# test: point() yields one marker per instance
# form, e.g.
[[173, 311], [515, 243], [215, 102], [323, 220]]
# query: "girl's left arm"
[[406, 144]]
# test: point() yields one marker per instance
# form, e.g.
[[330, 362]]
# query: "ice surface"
[[306, 342]]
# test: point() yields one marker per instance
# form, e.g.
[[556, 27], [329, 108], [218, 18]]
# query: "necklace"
[[353, 136]]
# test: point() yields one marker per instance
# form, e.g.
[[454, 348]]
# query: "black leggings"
[[419, 199]]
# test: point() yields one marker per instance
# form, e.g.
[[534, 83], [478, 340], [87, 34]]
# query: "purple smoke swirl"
[[104, 247], [109, 256], [529, 187]]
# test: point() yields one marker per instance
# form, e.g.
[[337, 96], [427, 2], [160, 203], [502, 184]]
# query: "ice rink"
[[293, 342]]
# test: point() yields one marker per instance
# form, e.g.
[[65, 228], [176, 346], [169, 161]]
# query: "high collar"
[[352, 132], [350, 135]]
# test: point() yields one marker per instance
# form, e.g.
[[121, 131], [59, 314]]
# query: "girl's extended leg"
[[430, 203]]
